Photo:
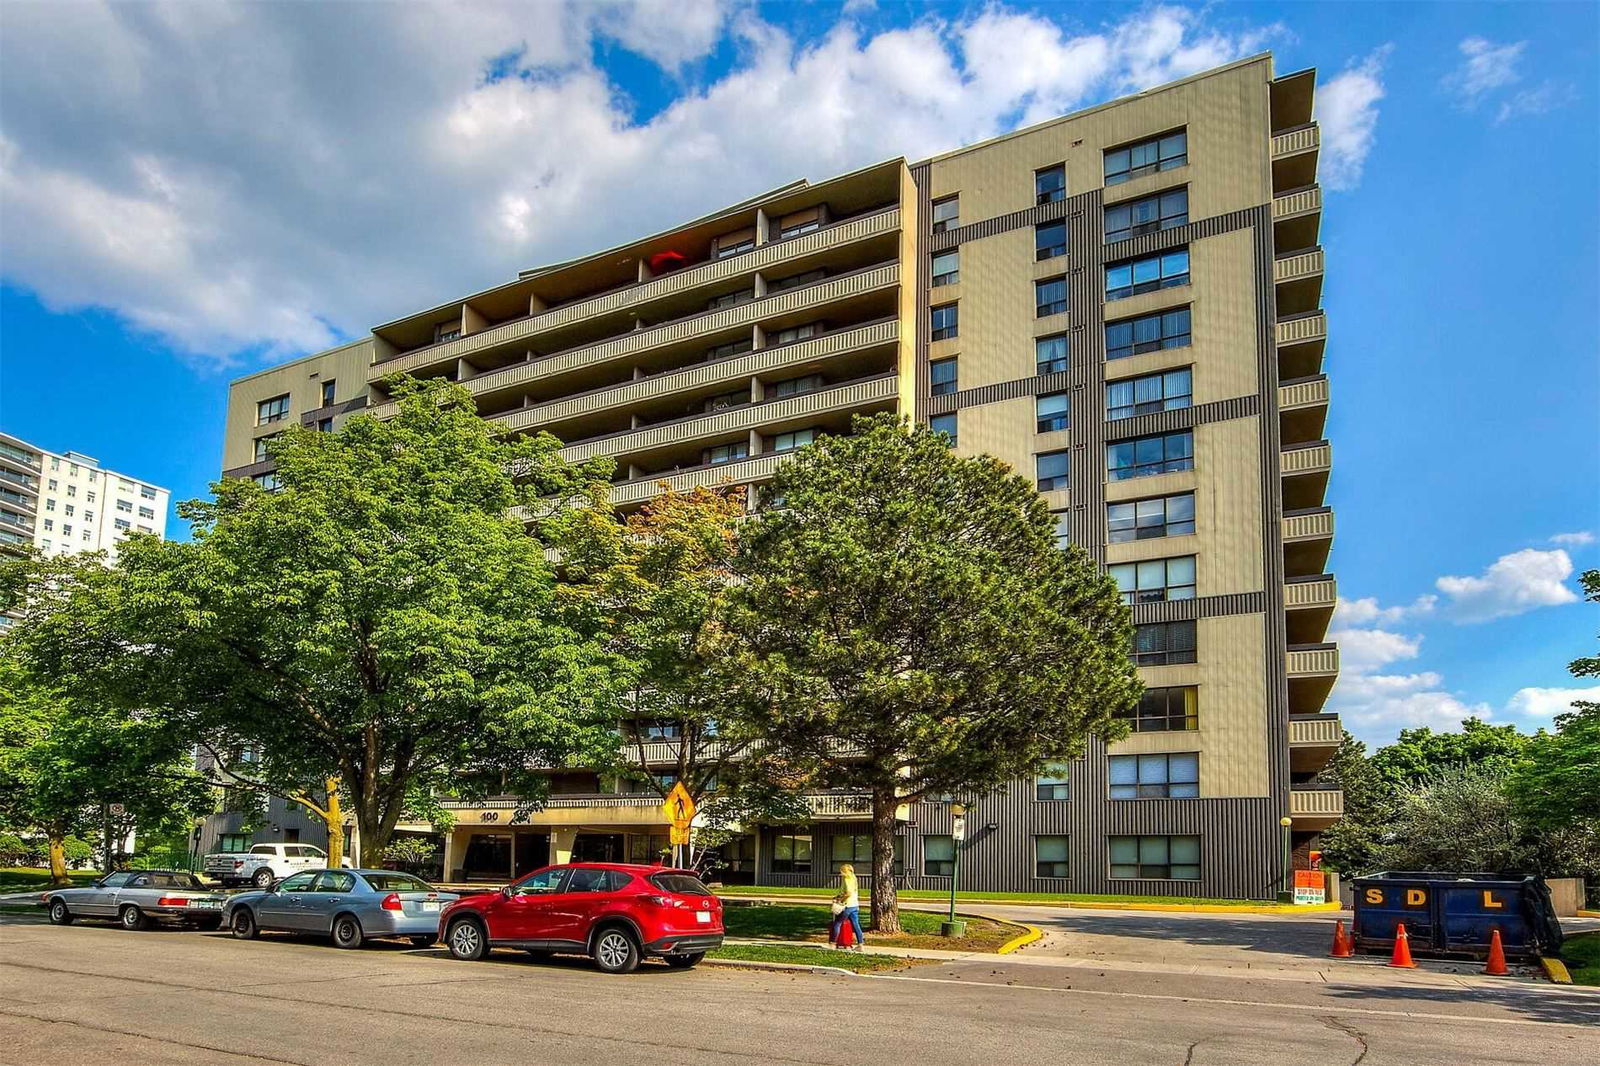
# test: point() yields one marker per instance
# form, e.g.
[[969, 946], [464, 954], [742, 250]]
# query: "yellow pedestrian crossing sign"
[[679, 807]]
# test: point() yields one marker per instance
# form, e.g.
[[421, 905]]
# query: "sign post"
[[679, 810], [958, 833]]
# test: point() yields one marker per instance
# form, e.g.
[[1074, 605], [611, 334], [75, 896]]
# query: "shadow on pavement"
[[1545, 1003]]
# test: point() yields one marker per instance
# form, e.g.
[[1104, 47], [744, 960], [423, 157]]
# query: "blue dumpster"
[[1455, 914]]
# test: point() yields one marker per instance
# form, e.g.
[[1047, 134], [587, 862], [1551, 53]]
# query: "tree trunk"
[[105, 839], [374, 838], [885, 902], [58, 857], [334, 820]]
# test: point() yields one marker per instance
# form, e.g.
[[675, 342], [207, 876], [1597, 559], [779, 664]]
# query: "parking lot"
[[92, 993]]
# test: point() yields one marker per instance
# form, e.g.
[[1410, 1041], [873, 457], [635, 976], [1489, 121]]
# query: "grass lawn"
[[29, 879], [919, 929], [807, 956], [926, 895], [1581, 953]]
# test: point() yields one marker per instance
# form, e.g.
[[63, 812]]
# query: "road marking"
[[1318, 1008]]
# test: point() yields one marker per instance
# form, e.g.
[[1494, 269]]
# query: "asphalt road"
[[94, 994]]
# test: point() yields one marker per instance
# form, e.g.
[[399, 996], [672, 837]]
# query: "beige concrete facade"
[[699, 354]]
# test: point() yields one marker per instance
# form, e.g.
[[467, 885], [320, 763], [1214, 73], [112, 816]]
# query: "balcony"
[[1301, 340], [568, 810], [1298, 277], [28, 505], [744, 472], [845, 805], [724, 423], [718, 272], [1314, 807], [712, 377], [1313, 739], [1305, 468], [1297, 217], [1302, 409], [1309, 602], [1294, 157], [19, 481], [1307, 539], [1312, 668]]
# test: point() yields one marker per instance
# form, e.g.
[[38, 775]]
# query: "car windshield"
[[388, 882], [682, 884]]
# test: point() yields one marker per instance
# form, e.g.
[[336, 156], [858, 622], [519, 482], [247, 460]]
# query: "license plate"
[[204, 905], [703, 917], [430, 904]]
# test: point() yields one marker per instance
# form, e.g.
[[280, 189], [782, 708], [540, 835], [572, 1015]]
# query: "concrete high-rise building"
[[1123, 304]]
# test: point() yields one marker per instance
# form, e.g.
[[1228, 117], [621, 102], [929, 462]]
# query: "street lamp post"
[[958, 830], [1288, 891]]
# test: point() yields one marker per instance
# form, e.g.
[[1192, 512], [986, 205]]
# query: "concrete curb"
[[780, 967], [1588, 914], [1028, 935], [1177, 908], [1556, 971]]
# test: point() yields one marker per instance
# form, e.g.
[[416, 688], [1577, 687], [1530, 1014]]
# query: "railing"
[[1298, 202], [700, 375], [1312, 326], [1308, 458], [1297, 265], [31, 484], [1305, 801], [1317, 591], [838, 234], [19, 501], [1292, 142], [1313, 660], [747, 417], [567, 802], [18, 455], [1304, 392], [838, 804], [1316, 732], [1308, 525]]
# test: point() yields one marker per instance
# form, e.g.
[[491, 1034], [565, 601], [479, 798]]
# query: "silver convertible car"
[[136, 898], [348, 905]]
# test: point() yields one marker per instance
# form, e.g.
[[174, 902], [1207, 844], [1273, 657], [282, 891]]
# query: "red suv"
[[615, 913]]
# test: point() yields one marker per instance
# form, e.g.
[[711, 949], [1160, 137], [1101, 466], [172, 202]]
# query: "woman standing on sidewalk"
[[846, 907]]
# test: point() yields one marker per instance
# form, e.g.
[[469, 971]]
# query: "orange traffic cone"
[[1496, 966], [1402, 949], [1342, 946]]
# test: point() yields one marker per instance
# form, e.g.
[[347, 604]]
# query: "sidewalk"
[[975, 905]]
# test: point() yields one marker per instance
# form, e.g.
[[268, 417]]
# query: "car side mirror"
[[507, 892]]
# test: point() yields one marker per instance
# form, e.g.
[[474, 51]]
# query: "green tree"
[[387, 618], [1419, 754], [1460, 820], [1351, 844], [911, 627]]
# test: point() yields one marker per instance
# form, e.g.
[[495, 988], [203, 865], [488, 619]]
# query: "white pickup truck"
[[265, 864]]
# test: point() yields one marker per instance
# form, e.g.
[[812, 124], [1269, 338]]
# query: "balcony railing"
[[1305, 392], [1312, 326], [1308, 525], [839, 804], [1310, 801], [1320, 591], [1313, 660], [1315, 731], [563, 802], [20, 480], [1308, 459], [733, 369], [1297, 265], [847, 231], [1292, 142], [1297, 202]]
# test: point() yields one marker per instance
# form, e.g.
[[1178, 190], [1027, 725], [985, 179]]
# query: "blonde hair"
[[847, 870]]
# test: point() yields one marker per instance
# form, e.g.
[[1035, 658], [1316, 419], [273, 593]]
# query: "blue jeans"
[[853, 916]]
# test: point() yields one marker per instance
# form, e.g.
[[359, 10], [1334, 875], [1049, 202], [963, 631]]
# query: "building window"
[[1050, 857], [1147, 275], [737, 398], [72, 490], [71, 510], [90, 495], [324, 425], [1049, 297], [268, 481], [49, 505], [1063, 530], [1050, 184], [722, 351], [1147, 456], [947, 268], [1149, 333], [88, 536], [1164, 643], [1051, 468], [261, 448], [942, 375], [1147, 157], [794, 281], [125, 506], [796, 333], [147, 492], [1155, 580], [1051, 353], [1049, 240], [53, 484], [66, 529], [49, 525], [729, 299], [234, 842], [446, 331], [793, 387], [734, 243], [88, 515], [122, 524], [1155, 858], [791, 853], [1148, 214], [147, 512], [145, 529], [945, 321], [852, 848], [946, 214], [797, 229], [327, 393], [1162, 516], [273, 410], [788, 442], [1165, 710], [938, 856], [726, 453], [1051, 411], [1051, 784], [1167, 775], [945, 424], [1149, 395]]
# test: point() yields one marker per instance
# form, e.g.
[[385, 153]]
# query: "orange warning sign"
[[679, 807]]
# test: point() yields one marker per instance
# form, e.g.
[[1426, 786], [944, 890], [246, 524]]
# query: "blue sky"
[[175, 212]]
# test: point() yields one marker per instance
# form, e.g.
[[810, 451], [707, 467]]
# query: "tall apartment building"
[[66, 502], [1122, 304]]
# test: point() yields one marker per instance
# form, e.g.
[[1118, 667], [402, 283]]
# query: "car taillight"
[[172, 901], [659, 901], [44, 897], [391, 902]]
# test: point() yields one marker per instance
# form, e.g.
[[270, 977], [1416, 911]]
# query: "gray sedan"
[[348, 905], [137, 898]]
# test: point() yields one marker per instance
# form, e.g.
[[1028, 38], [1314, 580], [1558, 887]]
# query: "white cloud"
[[1546, 703], [1363, 650], [359, 161], [1513, 584], [1580, 539], [1378, 706], [1347, 112], [1366, 610], [1488, 71]]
